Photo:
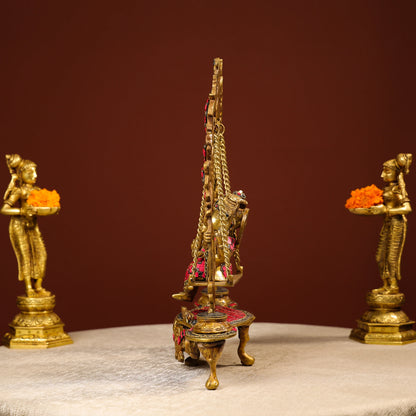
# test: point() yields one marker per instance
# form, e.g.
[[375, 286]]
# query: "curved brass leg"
[[244, 338], [212, 352]]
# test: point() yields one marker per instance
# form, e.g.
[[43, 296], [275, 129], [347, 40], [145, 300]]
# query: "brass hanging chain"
[[227, 187], [222, 184], [223, 152], [223, 235], [237, 259], [196, 244]]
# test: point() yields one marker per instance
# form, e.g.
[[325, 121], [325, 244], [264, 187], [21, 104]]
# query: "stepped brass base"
[[384, 323], [36, 326]]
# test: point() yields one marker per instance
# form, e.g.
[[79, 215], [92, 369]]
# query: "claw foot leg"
[[212, 352], [244, 338]]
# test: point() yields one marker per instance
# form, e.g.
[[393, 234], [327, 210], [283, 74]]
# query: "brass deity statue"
[[215, 254], [385, 322], [234, 221], [36, 326]]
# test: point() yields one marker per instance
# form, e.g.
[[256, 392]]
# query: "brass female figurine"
[[24, 231], [385, 322], [36, 326], [393, 234]]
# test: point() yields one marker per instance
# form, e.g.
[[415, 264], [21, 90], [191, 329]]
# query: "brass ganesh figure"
[[24, 232]]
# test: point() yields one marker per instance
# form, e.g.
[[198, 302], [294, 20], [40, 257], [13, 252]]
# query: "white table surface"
[[300, 370]]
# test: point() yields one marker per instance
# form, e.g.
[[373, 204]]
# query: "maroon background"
[[107, 98]]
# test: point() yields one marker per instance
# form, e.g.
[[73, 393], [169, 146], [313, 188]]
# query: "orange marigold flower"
[[44, 198], [365, 197]]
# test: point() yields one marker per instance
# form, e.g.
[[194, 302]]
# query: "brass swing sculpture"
[[221, 224]]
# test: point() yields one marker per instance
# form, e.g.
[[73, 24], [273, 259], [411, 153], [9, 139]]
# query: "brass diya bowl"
[[362, 211], [47, 210]]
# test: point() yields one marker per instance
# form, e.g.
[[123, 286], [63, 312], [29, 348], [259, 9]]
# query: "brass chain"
[[237, 259], [223, 240], [224, 165], [226, 180], [219, 156], [196, 244]]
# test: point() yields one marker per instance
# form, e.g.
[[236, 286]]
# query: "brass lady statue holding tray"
[[36, 326], [385, 322]]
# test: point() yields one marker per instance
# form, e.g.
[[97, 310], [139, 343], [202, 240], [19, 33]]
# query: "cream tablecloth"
[[300, 370]]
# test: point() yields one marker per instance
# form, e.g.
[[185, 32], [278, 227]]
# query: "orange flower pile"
[[44, 198], [365, 197]]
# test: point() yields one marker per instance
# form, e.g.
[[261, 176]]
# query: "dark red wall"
[[107, 98]]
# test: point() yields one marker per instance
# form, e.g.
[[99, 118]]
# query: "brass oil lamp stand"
[[385, 322], [223, 215], [36, 325]]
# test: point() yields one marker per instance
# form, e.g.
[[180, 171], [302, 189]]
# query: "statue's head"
[[394, 167], [27, 172], [236, 205]]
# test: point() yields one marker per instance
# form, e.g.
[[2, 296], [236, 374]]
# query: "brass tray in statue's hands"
[[374, 210], [43, 211]]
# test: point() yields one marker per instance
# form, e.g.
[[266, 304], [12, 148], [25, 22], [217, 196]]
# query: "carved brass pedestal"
[[36, 326], [385, 322]]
